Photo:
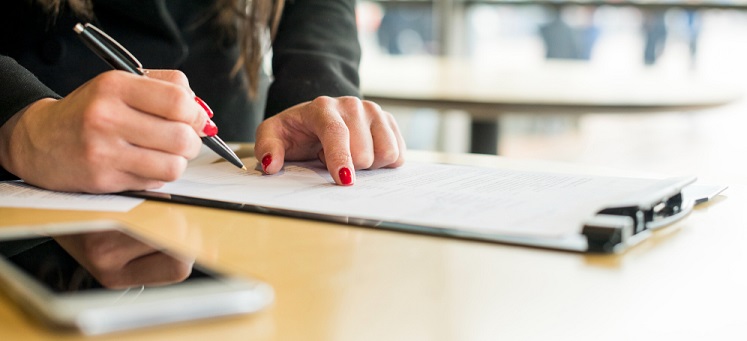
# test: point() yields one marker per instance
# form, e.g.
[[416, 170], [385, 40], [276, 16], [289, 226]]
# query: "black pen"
[[119, 58]]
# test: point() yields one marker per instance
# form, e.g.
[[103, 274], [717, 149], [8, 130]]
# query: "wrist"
[[14, 142]]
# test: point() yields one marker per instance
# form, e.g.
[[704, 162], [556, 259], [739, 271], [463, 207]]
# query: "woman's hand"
[[117, 132], [345, 133]]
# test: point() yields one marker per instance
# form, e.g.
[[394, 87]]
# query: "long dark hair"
[[252, 23]]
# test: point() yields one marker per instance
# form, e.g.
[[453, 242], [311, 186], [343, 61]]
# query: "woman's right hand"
[[117, 132]]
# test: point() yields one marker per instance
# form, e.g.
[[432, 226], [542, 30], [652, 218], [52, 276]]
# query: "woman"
[[71, 124]]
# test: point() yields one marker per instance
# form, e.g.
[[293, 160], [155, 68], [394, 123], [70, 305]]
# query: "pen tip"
[[243, 167]]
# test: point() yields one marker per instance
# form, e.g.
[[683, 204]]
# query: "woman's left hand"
[[345, 133]]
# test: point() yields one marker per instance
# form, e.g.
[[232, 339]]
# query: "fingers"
[[401, 146], [115, 182], [374, 138], [345, 133], [270, 146], [156, 114], [115, 168], [152, 164], [165, 99], [172, 76], [357, 117], [388, 144], [151, 132], [335, 138], [206, 126], [162, 108], [301, 133], [127, 168]]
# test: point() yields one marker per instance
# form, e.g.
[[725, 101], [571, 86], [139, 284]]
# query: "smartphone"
[[100, 277]]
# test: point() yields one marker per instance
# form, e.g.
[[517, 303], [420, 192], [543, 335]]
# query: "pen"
[[119, 58]]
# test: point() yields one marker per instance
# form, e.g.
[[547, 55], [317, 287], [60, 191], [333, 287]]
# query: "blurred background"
[[691, 53]]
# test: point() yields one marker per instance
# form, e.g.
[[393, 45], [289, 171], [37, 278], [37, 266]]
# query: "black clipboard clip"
[[633, 220]]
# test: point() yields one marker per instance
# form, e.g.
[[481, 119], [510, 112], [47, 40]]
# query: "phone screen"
[[100, 260], [99, 277]]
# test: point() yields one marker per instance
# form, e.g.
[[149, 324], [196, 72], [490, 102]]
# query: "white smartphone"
[[100, 277]]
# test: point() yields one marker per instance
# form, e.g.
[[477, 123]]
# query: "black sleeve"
[[18, 89], [315, 53]]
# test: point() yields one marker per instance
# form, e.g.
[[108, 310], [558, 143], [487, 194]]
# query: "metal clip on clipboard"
[[628, 223]]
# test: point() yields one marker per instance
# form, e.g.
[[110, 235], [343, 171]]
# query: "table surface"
[[488, 88], [337, 282]]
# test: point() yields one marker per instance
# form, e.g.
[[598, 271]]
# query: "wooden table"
[[337, 282], [486, 89]]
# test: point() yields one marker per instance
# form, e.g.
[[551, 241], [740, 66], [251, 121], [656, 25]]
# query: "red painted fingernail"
[[345, 176], [266, 161], [210, 129], [204, 106]]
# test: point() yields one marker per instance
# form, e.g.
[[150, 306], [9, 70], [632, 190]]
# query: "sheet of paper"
[[19, 194], [436, 195]]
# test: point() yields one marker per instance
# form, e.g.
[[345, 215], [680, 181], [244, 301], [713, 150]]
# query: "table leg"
[[484, 137]]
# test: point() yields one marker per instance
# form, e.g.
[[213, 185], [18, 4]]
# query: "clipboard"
[[611, 229]]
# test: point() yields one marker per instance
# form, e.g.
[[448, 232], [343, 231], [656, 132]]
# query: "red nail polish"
[[266, 161], [345, 176], [204, 106], [210, 129]]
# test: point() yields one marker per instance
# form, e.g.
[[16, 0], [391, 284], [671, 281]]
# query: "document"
[[488, 200], [20, 194]]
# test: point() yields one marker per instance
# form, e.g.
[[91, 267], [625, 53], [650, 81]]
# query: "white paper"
[[19, 194], [481, 199]]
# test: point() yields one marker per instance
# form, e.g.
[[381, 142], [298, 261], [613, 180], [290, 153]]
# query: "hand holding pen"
[[118, 131], [119, 58]]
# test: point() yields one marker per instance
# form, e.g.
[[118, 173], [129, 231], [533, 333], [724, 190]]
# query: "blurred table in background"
[[486, 90], [702, 4], [695, 4], [449, 16]]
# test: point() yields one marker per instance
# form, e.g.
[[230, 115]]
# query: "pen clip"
[[115, 45]]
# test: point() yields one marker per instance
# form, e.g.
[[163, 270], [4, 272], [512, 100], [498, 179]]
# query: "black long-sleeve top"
[[315, 53]]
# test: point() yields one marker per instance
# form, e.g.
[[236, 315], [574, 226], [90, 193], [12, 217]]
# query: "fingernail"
[[210, 129], [266, 161], [345, 176], [204, 106]]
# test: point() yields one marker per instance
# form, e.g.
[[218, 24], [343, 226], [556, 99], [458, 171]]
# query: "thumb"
[[269, 149]]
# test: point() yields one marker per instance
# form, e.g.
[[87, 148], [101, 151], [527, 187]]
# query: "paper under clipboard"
[[566, 211]]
